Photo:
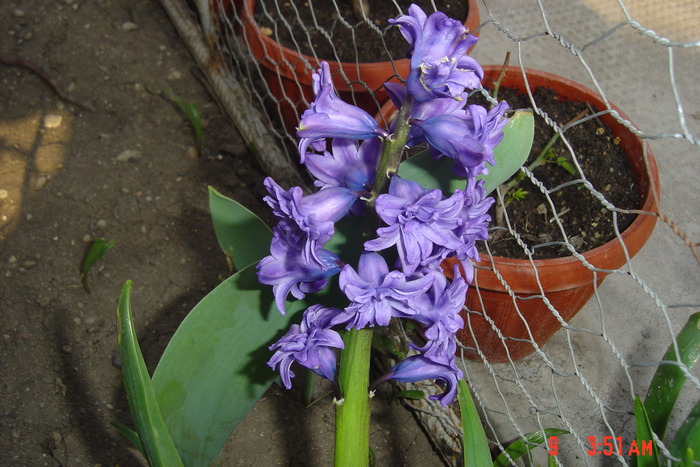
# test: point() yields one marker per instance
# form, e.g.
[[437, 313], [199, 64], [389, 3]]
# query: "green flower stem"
[[352, 413], [392, 150]]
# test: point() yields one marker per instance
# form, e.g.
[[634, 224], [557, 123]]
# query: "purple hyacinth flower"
[[287, 269], [311, 344], [439, 66], [309, 219], [376, 295], [419, 368], [330, 117], [417, 221], [469, 137], [346, 165]]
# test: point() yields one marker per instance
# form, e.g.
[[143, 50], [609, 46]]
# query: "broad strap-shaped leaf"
[[688, 435], [156, 443], [509, 155], [520, 446], [242, 235], [475, 444], [668, 380], [512, 152], [643, 434], [214, 368]]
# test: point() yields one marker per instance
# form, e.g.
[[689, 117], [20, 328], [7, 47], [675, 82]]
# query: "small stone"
[[40, 182], [129, 26], [174, 74], [29, 217], [12, 259], [607, 187], [77, 321], [101, 224], [86, 238], [541, 209], [4, 193], [18, 13], [192, 152], [128, 155], [52, 120]]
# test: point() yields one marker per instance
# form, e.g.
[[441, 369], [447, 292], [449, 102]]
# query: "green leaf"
[[643, 433], [214, 368], [431, 173], [688, 458], [129, 434], [521, 446], [414, 394], [688, 435], [509, 155], [191, 111], [97, 250], [476, 446], [242, 235], [156, 442], [668, 380], [512, 151]]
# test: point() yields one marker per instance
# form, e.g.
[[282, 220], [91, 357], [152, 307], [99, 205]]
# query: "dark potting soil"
[[337, 34], [588, 224]]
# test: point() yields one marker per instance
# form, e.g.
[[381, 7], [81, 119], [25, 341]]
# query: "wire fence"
[[640, 58]]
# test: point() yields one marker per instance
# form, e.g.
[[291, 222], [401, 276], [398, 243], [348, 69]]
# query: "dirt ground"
[[122, 167]]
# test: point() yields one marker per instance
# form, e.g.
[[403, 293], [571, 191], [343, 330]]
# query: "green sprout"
[[97, 250], [191, 111]]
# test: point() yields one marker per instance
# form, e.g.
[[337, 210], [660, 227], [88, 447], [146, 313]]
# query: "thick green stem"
[[352, 413]]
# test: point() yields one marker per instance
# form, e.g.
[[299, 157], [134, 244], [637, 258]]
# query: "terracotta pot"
[[288, 73], [566, 282]]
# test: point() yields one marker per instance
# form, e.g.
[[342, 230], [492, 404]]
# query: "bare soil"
[[126, 170]]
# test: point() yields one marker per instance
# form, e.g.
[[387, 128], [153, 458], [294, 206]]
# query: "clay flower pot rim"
[[648, 205], [471, 22]]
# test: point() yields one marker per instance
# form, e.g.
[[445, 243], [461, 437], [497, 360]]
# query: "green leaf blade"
[[155, 440], [214, 368], [513, 150], [687, 437], [669, 379], [242, 235], [97, 250], [644, 433], [475, 444]]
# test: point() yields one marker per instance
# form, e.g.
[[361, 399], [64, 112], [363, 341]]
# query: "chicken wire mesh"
[[640, 55]]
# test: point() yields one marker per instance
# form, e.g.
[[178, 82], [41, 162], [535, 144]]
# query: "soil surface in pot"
[[338, 34], [588, 224]]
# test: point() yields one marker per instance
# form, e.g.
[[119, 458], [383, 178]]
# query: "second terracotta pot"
[[517, 305]]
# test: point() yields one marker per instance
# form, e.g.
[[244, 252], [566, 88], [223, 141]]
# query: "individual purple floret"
[[419, 368], [346, 165], [309, 220], [417, 220], [311, 344], [440, 66], [439, 313], [469, 137], [376, 295], [287, 269], [329, 117]]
